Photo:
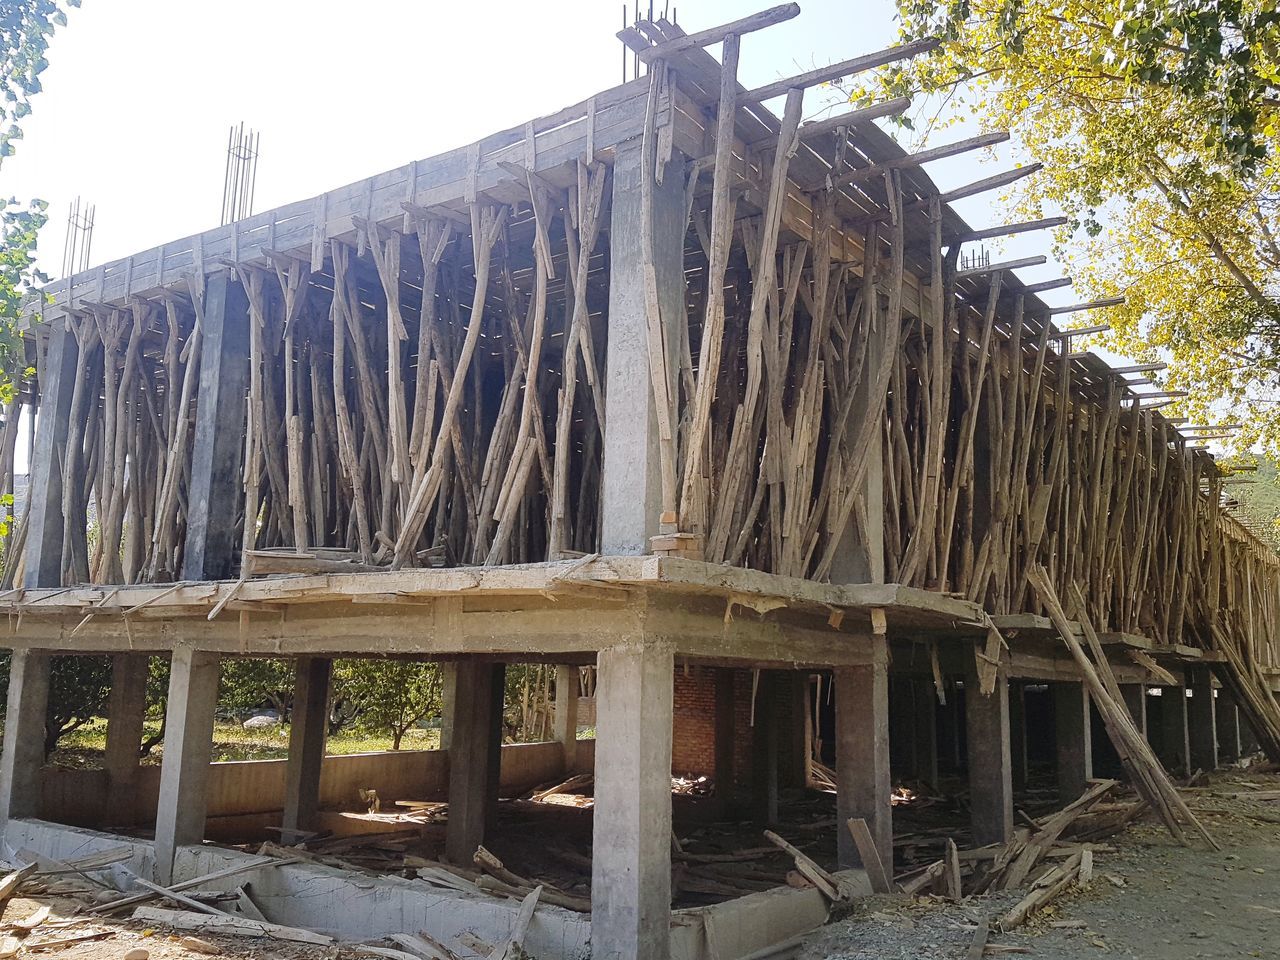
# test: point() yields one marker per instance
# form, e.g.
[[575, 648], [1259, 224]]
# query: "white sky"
[[139, 95]]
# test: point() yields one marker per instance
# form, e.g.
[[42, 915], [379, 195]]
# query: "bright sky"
[[139, 95]]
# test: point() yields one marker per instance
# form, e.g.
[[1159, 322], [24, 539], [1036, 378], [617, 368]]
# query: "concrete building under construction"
[[669, 384]]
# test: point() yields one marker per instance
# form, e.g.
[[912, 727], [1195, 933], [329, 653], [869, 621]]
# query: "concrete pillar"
[[1018, 734], [793, 771], [448, 701], [1228, 725], [1074, 741], [566, 718], [631, 485], [473, 758], [188, 748], [308, 731], [1201, 716], [859, 557], [218, 441], [863, 784], [23, 753], [764, 754], [1248, 739], [902, 728], [990, 759], [1174, 748], [631, 853], [126, 712], [925, 732], [42, 565], [725, 724], [1135, 699]]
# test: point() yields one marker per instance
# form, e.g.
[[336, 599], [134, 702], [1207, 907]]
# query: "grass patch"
[[84, 746]]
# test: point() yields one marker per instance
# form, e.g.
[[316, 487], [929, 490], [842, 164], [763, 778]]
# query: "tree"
[[78, 691], [25, 29], [249, 683], [1158, 126], [392, 695]]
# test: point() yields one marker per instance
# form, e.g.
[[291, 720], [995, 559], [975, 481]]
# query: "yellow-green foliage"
[[1157, 124]]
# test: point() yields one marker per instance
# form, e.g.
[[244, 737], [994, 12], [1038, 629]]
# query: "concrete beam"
[[566, 714], [1201, 718], [863, 783], [631, 852], [308, 732], [188, 748], [473, 756], [1073, 737], [990, 759], [23, 753], [631, 484], [126, 712]]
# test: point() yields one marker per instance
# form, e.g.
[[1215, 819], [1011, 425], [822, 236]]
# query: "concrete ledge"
[[352, 906], [346, 905]]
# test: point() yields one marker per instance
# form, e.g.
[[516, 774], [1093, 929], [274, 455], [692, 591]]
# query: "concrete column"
[[566, 719], [1228, 725], [43, 556], [925, 732], [1248, 739], [793, 771], [1074, 741], [1135, 698], [308, 731], [631, 485], [1201, 726], [1174, 748], [631, 854], [188, 748], [1018, 733], [990, 760], [126, 712], [217, 444], [473, 758], [863, 784], [448, 701], [23, 753], [725, 723], [859, 557], [764, 754]]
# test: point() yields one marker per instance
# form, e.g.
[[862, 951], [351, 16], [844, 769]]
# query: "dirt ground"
[[1149, 899]]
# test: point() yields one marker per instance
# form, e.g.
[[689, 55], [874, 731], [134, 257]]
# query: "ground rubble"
[[1148, 897]]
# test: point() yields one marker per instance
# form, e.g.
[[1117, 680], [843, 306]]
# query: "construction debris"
[[1139, 760]]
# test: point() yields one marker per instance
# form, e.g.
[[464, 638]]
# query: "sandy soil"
[[1149, 899], [116, 938]]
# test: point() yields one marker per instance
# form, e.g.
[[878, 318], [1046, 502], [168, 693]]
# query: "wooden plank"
[[881, 882]]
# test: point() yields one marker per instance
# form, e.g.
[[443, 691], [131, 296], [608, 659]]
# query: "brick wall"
[[693, 735], [693, 741]]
